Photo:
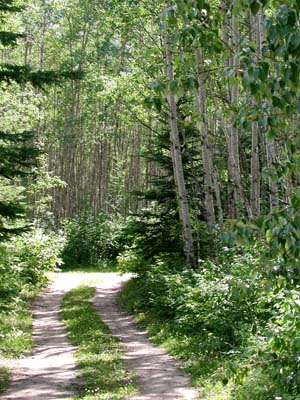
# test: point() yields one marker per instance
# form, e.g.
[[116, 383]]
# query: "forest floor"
[[50, 373]]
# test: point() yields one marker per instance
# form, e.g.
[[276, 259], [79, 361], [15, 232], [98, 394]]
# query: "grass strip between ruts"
[[99, 354]]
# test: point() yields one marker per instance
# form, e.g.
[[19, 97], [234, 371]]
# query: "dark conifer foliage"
[[18, 153], [23, 74], [9, 6]]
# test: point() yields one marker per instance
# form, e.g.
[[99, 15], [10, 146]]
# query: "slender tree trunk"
[[271, 153], [205, 147], [273, 185], [42, 37], [218, 198], [255, 182], [177, 160], [234, 156]]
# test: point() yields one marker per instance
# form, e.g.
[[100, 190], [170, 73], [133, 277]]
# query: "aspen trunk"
[[273, 185], [205, 148], [271, 153], [218, 198], [255, 183], [177, 162], [234, 156]]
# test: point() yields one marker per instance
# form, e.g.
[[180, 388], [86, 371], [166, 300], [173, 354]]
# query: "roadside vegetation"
[[233, 321], [25, 261], [4, 378], [99, 354], [221, 322]]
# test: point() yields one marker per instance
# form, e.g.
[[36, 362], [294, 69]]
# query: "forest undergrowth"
[[233, 321], [25, 262]]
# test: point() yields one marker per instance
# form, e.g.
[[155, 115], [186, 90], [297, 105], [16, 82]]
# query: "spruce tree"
[[18, 154]]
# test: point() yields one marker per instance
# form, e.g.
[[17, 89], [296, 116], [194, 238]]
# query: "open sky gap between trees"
[[160, 138]]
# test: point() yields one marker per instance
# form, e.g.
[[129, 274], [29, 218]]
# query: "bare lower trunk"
[[270, 145], [234, 156], [218, 198]]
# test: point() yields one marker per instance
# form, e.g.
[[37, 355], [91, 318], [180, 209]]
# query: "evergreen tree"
[[18, 153]]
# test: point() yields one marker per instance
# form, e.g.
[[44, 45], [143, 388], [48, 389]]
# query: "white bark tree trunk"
[[205, 147], [271, 152], [177, 162]]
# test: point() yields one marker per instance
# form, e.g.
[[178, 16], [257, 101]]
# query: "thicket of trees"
[[173, 145], [201, 94]]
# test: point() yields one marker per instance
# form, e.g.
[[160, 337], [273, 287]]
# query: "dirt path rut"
[[158, 373], [49, 374]]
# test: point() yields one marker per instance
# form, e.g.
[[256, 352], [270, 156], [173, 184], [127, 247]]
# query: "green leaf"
[[158, 103], [200, 4], [263, 121], [254, 6], [155, 86], [295, 201], [277, 102], [294, 76], [263, 71], [174, 85]]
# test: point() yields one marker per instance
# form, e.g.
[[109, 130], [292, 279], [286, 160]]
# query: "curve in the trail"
[[157, 372]]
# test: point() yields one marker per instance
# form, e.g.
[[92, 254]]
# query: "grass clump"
[[99, 354], [15, 333], [4, 378]]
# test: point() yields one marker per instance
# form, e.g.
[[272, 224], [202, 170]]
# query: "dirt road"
[[49, 373]]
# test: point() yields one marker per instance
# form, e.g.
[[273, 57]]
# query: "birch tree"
[[177, 161]]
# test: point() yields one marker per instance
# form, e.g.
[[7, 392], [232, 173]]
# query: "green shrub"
[[272, 366], [241, 308], [130, 260], [38, 253], [24, 262], [214, 303], [91, 239]]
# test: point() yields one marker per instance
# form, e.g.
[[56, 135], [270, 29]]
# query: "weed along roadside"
[[25, 263]]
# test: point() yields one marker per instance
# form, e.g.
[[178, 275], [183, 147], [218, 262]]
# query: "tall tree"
[[177, 161], [17, 149]]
